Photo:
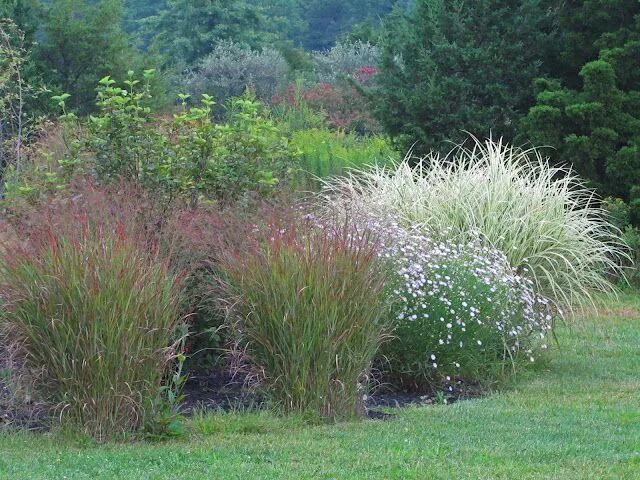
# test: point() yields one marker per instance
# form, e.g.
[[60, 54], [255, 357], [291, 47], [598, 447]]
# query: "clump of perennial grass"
[[308, 304], [548, 225], [461, 312], [93, 315]]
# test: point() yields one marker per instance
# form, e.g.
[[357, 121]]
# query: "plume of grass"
[[544, 219], [93, 315], [309, 306]]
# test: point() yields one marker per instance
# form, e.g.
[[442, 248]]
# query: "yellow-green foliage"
[[325, 153]]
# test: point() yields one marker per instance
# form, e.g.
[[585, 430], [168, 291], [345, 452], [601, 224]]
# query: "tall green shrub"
[[186, 155], [454, 66], [590, 114]]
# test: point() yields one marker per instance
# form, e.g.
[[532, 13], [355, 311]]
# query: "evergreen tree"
[[583, 25], [455, 66], [594, 124]]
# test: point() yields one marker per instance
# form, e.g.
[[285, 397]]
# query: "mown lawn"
[[576, 416]]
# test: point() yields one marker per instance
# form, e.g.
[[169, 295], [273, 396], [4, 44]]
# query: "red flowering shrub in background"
[[366, 75], [344, 106]]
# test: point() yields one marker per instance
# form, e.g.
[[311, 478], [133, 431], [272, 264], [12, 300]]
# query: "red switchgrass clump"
[[171, 230], [307, 301], [122, 206], [92, 307]]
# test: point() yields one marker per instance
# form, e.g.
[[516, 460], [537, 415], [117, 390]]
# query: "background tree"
[[450, 66], [27, 17], [284, 19], [17, 123], [594, 124], [137, 14], [583, 26], [328, 20], [316, 25], [25, 14], [81, 43], [187, 30]]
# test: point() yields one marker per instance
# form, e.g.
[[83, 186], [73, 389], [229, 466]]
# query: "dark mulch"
[[24, 415], [219, 391]]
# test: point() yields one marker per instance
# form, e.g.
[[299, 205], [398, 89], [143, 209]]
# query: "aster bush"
[[461, 312]]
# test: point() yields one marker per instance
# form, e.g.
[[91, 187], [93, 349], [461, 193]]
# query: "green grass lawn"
[[576, 416]]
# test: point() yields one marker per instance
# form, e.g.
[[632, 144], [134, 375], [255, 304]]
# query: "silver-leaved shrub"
[[344, 59], [231, 68]]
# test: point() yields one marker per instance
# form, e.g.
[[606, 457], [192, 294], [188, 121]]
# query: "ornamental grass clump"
[[544, 220], [308, 305], [93, 316], [461, 312]]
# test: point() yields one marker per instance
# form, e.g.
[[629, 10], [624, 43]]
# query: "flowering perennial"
[[460, 310]]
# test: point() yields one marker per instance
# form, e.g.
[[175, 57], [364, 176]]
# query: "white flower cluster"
[[461, 304]]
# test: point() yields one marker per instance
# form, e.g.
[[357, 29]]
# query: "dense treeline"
[[313, 25]]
